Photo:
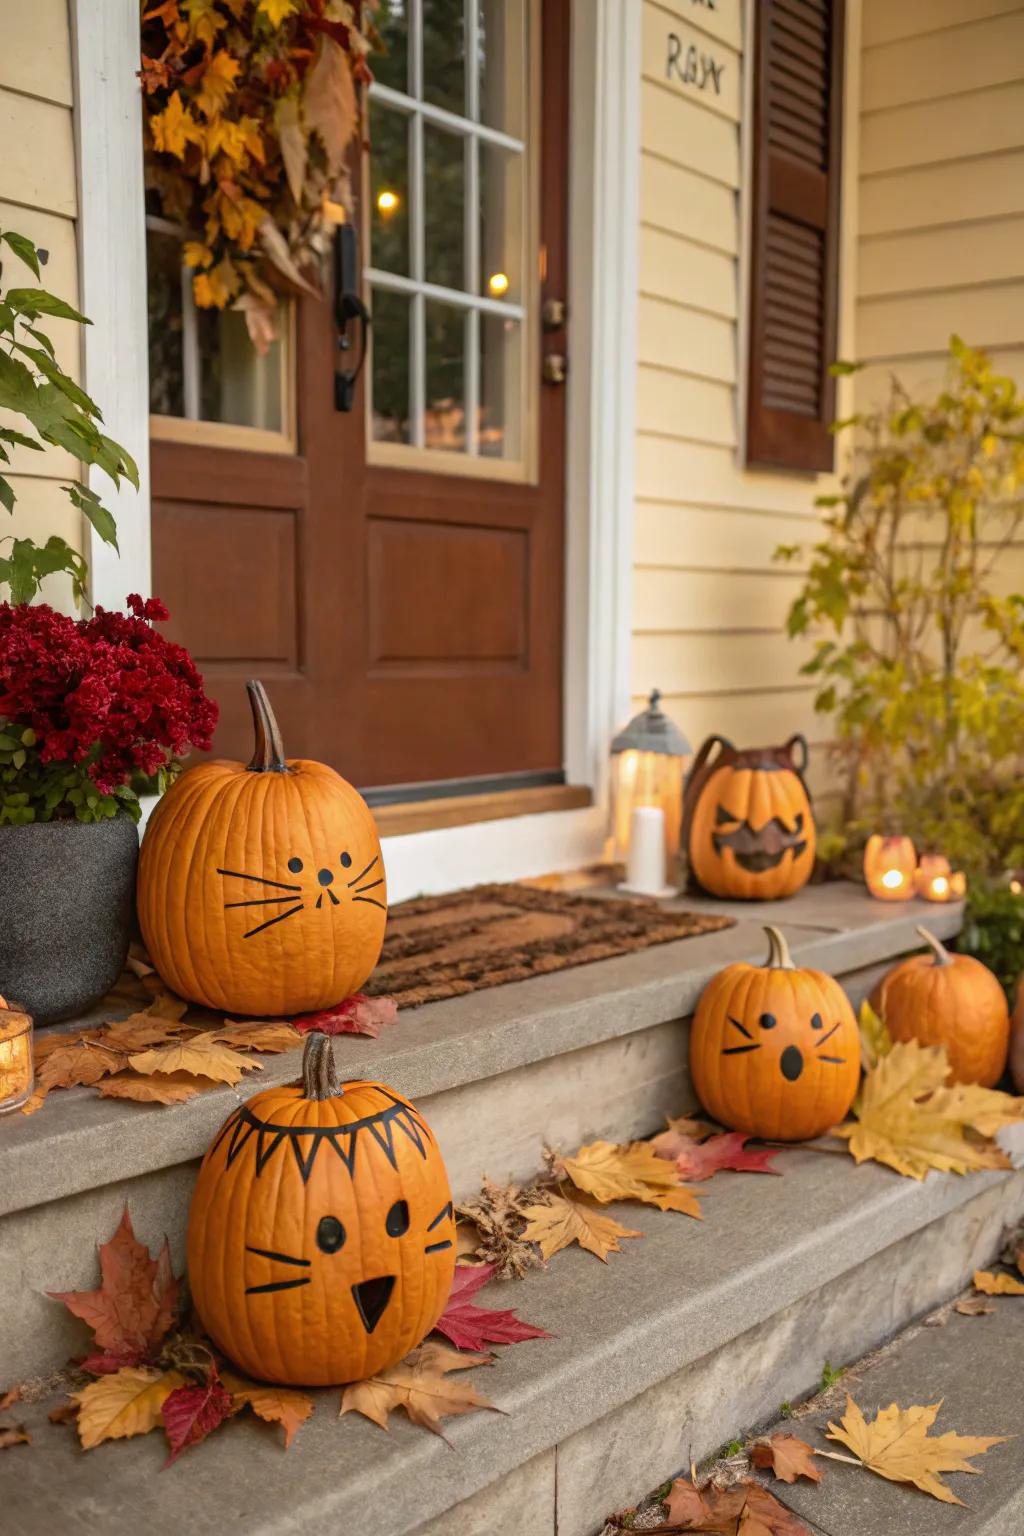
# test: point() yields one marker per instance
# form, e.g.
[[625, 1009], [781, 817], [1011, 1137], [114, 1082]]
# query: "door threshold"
[[402, 818]]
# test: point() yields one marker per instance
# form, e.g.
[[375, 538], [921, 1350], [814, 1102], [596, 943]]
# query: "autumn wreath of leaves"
[[249, 108]]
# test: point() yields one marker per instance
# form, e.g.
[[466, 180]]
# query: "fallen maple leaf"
[[901, 1122], [787, 1456], [202, 1056], [140, 1030], [127, 1403], [875, 1039], [270, 1035], [973, 1306], [985, 1110], [192, 1411], [634, 1172], [896, 1444], [10, 1397], [419, 1385], [567, 1219], [13, 1434], [357, 1015], [744, 1509], [132, 1309], [472, 1327], [997, 1285], [499, 1215], [64, 1413], [700, 1160], [278, 1405], [157, 1088]]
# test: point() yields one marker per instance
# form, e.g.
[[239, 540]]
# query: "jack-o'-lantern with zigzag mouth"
[[261, 886], [321, 1236], [748, 827]]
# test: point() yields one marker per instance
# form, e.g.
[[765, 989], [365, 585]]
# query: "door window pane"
[[444, 207], [389, 188], [502, 65], [166, 366], [390, 62], [444, 418], [390, 348], [237, 385], [444, 54], [499, 424], [501, 205]]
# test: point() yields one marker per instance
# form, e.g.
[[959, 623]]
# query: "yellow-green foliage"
[[921, 656]]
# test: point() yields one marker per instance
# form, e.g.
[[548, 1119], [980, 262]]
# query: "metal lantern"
[[647, 769]]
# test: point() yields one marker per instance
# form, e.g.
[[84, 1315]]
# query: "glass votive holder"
[[17, 1074]]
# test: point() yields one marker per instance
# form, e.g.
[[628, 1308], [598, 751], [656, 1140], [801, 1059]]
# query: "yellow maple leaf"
[[875, 1039], [126, 1403], [217, 83], [278, 1405], [897, 1445], [156, 1088], [985, 1110], [204, 22], [903, 1121], [202, 1056], [997, 1285], [277, 11], [634, 1172], [569, 1220], [216, 288], [196, 253], [174, 128], [418, 1384], [269, 1035]]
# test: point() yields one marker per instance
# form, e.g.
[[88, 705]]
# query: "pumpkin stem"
[[319, 1074], [269, 754], [779, 957], [942, 954]]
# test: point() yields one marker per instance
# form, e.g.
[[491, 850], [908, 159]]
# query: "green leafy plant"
[[993, 931], [830, 1375], [919, 656], [34, 387]]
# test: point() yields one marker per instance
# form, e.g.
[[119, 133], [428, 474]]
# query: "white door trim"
[[112, 275]]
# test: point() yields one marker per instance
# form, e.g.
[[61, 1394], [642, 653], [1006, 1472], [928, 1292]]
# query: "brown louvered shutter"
[[794, 284]]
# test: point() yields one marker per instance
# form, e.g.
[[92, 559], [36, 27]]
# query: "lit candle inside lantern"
[[889, 866], [16, 1074], [936, 881]]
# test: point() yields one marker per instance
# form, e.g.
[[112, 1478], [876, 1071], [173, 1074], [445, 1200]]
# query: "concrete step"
[[657, 1357], [597, 1051], [971, 1364]]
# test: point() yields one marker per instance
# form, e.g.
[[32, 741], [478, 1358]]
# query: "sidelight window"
[[452, 262]]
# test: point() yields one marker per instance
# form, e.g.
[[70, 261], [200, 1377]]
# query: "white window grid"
[[473, 133]]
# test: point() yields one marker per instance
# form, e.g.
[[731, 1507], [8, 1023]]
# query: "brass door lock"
[[552, 315], [554, 368]]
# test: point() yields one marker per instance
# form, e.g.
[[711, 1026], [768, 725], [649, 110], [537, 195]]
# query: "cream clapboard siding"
[[941, 218], [38, 199], [709, 602]]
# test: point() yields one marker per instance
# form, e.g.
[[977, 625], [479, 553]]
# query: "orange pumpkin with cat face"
[[261, 887]]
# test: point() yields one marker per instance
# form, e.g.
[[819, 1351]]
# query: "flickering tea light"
[[890, 865], [936, 881], [647, 761], [16, 1074]]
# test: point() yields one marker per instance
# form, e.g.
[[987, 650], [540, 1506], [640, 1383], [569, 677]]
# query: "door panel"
[[407, 621]]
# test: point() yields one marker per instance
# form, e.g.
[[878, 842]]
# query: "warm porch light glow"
[[498, 284], [15, 1057], [647, 761], [937, 882], [889, 865], [387, 203]]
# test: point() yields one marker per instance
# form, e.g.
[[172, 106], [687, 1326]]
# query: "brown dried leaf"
[[157, 1088], [278, 1405], [564, 1220], [744, 1509], [635, 1172], [973, 1306], [132, 1309], [499, 1215], [787, 1456], [201, 1056], [293, 144], [13, 1434], [419, 1385], [11, 1396], [990, 1284], [270, 1035], [64, 1413], [896, 1444], [329, 102]]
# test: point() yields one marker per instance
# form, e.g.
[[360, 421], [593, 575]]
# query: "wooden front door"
[[396, 578]]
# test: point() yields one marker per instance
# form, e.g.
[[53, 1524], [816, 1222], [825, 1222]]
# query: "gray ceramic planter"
[[67, 900]]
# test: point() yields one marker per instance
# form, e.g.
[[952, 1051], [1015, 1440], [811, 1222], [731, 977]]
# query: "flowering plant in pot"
[[86, 706]]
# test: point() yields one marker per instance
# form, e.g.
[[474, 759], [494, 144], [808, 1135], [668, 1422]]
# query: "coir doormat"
[[444, 946]]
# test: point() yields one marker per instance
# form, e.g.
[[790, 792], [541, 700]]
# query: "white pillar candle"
[[645, 862]]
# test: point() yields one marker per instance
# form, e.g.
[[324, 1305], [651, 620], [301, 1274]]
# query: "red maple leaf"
[[132, 1309], [472, 1327], [697, 1160], [357, 1015], [190, 1413]]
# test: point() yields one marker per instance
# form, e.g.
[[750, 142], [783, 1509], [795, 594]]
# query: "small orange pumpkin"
[[261, 887], [748, 824], [775, 1050], [321, 1236], [951, 1000]]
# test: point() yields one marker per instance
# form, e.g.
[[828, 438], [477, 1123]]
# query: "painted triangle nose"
[[371, 1298]]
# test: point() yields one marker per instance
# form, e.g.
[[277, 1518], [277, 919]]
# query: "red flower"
[[109, 692]]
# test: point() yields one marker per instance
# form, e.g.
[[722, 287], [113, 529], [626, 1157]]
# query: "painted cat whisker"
[[371, 900], [740, 1050], [279, 1258], [238, 874], [272, 920], [365, 872], [825, 1038], [259, 901]]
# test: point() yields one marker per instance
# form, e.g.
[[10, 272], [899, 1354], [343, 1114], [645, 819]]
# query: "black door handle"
[[348, 307]]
